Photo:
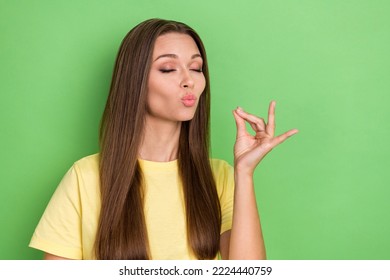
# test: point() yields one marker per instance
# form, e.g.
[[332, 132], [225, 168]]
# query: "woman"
[[152, 192]]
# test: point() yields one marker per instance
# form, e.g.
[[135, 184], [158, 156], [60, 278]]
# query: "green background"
[[323, 194]]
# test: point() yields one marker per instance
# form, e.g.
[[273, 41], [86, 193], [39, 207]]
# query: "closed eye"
[[200, 70], [167, 70]]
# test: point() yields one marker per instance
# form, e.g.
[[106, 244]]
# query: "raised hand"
[[249, 149]]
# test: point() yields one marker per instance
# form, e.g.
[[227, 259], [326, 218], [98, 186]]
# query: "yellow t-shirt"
[[68, 226]]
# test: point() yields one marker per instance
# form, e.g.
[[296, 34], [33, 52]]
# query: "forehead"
[[175, 43]]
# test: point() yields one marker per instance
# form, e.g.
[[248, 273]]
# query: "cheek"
[[159, 94], [159, 84], [154, 88], [201, 84]]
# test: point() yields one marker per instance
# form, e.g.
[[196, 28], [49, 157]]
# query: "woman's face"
[[176, 80]]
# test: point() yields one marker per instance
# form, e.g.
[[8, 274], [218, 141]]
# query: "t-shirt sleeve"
[[225, 183], [59, 230]]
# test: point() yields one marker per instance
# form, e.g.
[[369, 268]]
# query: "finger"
[[270, 128], [256, 123], [240, 124], [283, 137]]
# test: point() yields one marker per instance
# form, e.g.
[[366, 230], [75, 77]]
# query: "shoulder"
[[88, 163], [84, 173], [223, 174], [219, 166], [87, 166]]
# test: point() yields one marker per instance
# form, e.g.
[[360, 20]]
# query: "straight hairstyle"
[[122, 232]]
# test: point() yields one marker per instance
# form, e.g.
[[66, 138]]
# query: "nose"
[[187, 81]]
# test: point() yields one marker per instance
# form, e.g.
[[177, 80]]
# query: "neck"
[[160, 141]]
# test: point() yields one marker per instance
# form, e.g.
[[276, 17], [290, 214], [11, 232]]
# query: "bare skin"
[[48, 256], [246, 238], [179, 53]]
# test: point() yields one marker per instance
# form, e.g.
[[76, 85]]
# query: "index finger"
[[270, 128], [240, 123]]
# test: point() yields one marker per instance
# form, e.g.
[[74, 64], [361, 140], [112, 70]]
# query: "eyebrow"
[[171, 55]]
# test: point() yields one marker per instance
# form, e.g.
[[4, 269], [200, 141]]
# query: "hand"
[[249, 149]]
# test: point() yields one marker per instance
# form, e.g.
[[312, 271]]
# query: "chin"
[[186, 117]]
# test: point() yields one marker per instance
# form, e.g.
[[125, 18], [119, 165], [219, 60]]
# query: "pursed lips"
[[188, 100], [189, 97]]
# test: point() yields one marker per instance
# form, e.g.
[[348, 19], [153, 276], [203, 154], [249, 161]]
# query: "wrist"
[[243, 179], [243, 172]]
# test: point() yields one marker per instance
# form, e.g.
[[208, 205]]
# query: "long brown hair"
[[122, 232]]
